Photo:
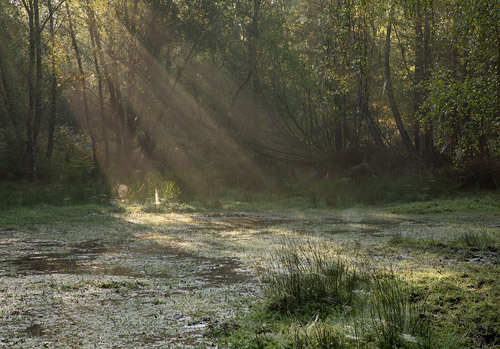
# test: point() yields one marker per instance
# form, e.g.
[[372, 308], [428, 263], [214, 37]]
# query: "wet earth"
[[153, 280], [119, 289]]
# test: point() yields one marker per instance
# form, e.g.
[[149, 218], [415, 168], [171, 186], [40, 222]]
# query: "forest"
[[250, 173]]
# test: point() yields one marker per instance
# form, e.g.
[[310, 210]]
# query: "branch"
[[403, 55], [51, 14], [26, 7]]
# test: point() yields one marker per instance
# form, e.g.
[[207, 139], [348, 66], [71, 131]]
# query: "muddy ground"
[[137, 279]]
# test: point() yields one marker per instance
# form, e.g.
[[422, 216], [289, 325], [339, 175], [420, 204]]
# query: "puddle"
[[228, 222], [52, 256], [48, 263], [220, 272], [94, 257], [35, 330]]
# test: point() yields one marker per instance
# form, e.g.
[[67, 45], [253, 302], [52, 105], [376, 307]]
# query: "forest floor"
[[104, 276]]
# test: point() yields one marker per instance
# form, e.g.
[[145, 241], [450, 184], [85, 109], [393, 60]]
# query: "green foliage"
[[468, 105], [72, 158], [144, 191], [463, 98]]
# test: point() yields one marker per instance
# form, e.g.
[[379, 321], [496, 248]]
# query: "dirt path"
[[156, 280]]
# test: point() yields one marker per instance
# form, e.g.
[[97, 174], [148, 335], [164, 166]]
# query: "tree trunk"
[[101, 97], [417, 81], [428, 135], [12, 112], [132, 117], [30, 146], [38, 82], [116, 106], [83, 85], [252, 53], [390, 90], [53, 85]]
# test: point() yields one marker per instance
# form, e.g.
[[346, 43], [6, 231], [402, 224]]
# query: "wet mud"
[[132, 278]]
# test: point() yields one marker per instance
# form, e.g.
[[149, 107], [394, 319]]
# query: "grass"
[[322, 301], [305, 280], [303, 191], [46, 214], [462, 202], [320, 297]]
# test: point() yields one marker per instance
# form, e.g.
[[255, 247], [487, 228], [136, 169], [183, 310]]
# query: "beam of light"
[[188, 138]]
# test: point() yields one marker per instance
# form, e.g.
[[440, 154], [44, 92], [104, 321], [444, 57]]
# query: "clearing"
[[85, 276]]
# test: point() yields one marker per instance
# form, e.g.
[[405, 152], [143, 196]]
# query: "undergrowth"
[[30, 194]]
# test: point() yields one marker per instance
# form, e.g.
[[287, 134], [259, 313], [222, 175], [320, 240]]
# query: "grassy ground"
[[254, 272]]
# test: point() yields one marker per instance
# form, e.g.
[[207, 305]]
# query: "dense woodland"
[[230, 88]]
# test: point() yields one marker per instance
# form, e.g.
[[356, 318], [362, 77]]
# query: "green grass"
[[336, 192], [465, 202], [306, 281], [45, 214], [304, 191]]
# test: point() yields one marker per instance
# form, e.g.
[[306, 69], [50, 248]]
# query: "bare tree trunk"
[[116, 106], [53, 85], [417, 81], [101, 97], [360, 36], [30, 146], [390, 90], [428, 135], [38, 82], [12, 112], [83, 85], [132, 117], [252, 52]]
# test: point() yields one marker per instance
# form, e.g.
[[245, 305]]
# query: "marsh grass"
[[143, 191], [478, 239], [462, 202], [327, 301], [45, 214], [308, 191], [304, 281], [396, 320], [321, 335]]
